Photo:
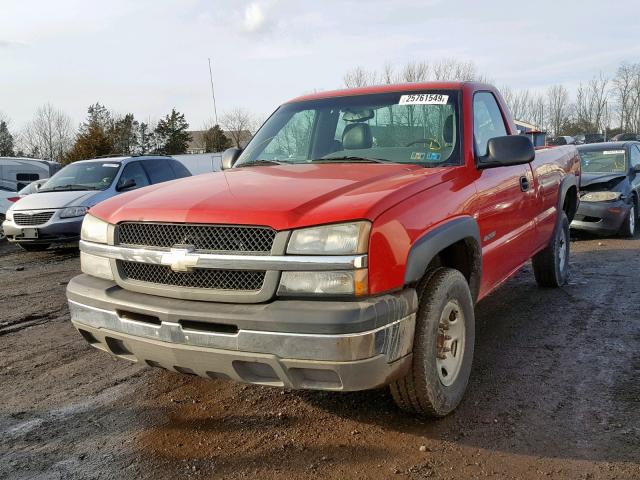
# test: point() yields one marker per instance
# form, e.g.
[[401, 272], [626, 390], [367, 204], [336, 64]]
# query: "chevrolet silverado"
[[343, 249]]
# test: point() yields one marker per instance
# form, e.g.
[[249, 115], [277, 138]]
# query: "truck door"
[[506, 203]]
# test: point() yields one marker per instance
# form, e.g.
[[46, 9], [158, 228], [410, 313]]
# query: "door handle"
[[524, 184]]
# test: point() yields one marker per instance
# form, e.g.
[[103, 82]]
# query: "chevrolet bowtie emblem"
[[180, 259]]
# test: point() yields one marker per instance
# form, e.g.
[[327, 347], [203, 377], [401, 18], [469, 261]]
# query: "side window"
[[487, 121], [159, 170], [635, 156], [294, 140], [179, 170], [134, 171]]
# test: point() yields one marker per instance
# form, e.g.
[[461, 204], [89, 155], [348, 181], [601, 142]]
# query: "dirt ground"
[[554, 394]]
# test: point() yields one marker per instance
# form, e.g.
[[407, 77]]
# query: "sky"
[[148, 56]]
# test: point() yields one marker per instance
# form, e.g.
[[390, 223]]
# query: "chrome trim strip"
[[232, 261], [394, 340]]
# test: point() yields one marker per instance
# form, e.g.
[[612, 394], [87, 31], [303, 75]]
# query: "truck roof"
[[397, 87]]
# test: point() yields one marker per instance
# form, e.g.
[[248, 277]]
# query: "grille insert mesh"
[[219, 238], [203, 278], [24, 219]]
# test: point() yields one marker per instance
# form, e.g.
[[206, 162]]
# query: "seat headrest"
[[357, 136], [447, 130]]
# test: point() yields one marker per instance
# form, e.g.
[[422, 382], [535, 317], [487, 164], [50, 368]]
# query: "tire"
[[422, 390], [629, 225], [551, 265], [34, 247]]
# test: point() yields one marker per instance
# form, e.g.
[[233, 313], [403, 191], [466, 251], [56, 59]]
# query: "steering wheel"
[[432, 143]]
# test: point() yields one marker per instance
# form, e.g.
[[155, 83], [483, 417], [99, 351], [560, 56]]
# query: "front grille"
[[203, 278], [30, 220], [218, 238]]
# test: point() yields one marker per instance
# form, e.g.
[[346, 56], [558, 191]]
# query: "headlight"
[[95, 266], [338, 239], [9, 214], [601, 196], [94, 230], [73, 212], [348, 282]]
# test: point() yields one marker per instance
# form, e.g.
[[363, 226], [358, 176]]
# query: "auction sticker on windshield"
[[424, 99], [612, 152], [112, 165]]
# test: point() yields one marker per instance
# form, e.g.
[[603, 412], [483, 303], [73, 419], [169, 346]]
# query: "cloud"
[[254, 18], [11, 44]]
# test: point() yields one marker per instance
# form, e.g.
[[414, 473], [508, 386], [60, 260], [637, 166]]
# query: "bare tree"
[[388, 74], [623, 92], [452, 69], [359, 77], [415, 72], [598, 100], [238, 124], [49, 135], [557, 107]]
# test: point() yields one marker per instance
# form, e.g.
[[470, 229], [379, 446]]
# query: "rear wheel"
[[551, 265], [34, 247], [628, 228], [442, 347]]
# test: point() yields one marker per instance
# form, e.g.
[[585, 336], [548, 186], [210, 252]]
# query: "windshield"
[[416, 127], [83, 176], [603, 161]]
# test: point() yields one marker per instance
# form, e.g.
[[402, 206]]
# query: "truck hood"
[[61, 199], [280, 196]]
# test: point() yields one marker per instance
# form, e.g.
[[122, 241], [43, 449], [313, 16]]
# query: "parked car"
[[7, 197], [609, 188], [625, 137], [343, 249], [594, 138], [561, 140], [54, 214], [33, 187]]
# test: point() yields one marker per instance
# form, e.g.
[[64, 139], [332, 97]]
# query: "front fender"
[[429, 245]]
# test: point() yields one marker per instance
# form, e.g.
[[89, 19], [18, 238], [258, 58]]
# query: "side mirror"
[[127, 184], [229, 157], [636, 168], [506, 151]]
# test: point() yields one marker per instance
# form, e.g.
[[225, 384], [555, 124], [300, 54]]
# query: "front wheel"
[[551, 265], [628, 228], [442, 346]]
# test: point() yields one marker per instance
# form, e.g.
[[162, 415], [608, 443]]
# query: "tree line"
[[604, 104], [607, 104], [51, 135]]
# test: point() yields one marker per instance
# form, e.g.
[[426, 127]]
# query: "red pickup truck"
[[343, 249]]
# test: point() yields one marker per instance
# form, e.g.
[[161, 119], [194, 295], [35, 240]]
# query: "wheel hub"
[[562, 249], [450, 343]]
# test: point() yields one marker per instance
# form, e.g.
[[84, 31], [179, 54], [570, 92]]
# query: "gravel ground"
[[554, 394]]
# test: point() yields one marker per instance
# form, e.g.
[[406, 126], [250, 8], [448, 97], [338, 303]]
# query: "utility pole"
[[213, 95]]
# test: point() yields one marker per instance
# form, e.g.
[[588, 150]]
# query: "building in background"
[[536, 135]]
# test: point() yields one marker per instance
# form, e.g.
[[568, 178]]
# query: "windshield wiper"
[[352, 158], [259, 162], [68, 188]]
